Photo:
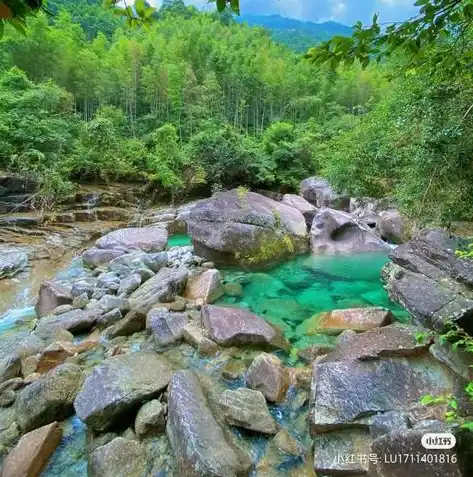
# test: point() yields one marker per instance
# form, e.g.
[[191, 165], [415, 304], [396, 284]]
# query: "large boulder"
[[240, 227], [52, 295], [11, 262], [118, 458], [48, 399], [199, 443], [334, 232], [32, 453], [74, 321], [236, 326], [118, 385], [147, 239], [319, 192], [392, 226], [303, 206], [162, 288], [205, 287], [431, 281]]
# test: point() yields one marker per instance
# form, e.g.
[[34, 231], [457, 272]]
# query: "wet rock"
[[392, 226], [244, 227], [119, 384], [151, 419], [133, 322], [198, 441], [356, 319], [119, 458], [334, 232], [206, 287], [268, 375], [96, 257], [166, 328], [347, 393], [62, 309], [431, 281], [80, 301], [248, 409], [319, 192], [48, 399], [75, 321], [146, 239], [130, 284], [52, 295], [195, 336], [163, 287], [303, 206], [32, 453], [11, 262], [235, 326]]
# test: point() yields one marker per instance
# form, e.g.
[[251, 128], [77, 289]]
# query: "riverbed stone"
[[268, 374], [96, 257], [119, 458], [247, 408], [52, 295], [32, 453], [11, 262], [307, 209], [50, 398], [166, 328], [151, 419], [75, 321], [119, 384], [334, 232], [195, 336], [81, 301], [240, 227], [60, 310], [235, 326], [130, 284], [54, 355], [146, 239], [205, 287], [133, 322], [199, 443], [161, 288], [318, 192]]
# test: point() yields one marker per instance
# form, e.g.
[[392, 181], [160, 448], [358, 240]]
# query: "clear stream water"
[[288, 296]]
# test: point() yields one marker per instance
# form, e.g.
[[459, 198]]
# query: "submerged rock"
[[248, 409], [235, 326], [119, 384], [12, 262], [146, 239], [246, 228], [119, 458], [334, 231], [319, 192], [32, 453], [198, 441], [52, 295], [48, 399]]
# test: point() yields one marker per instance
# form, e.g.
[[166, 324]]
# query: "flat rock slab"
[[74, 321], [50, 398], [146, 239], [248, 409], [12, 262], [235, 326], [32, 453], [199, 443], [118, 384], [346, 391]]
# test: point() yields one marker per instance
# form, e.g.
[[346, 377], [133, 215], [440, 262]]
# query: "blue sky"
[[345, 11]]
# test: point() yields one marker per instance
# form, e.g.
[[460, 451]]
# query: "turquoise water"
[[290, 294], [179, 240]]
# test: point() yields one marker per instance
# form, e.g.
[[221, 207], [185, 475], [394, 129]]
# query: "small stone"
[[166, 328], [286, 443], [130, 284], [99, 293], [110, 318], [53, 356], [194, 336], [60, 310], [178, 305], [233, 370], [133, 322], [29, 365], [145, 274], [208, 265], [81, 301], [151, 419]]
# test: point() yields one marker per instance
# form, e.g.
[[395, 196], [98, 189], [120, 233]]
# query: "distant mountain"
[[298, 35]]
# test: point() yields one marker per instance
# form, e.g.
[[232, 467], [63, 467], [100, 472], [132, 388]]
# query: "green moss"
[[270, 248]]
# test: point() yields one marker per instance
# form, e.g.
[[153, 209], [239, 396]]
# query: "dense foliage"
[[197, 102]]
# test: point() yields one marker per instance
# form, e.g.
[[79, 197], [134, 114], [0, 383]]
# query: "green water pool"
[[179, 240], [290, 294]]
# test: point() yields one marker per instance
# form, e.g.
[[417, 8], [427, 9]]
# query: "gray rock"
[[48, 399], [11, 262], [166, 328], [244, 227], [162, 288], [334, 232], [60, 310], [99, 293], [119, 384], [83, 287], [195, 336], [392, 226], [303, 206], [110, 318], [248, 409], [199, 443], [318, 192], [119, 458], [236, 326], [133, 322], [80, 301], [108, 303], [155, 261], [151, 419], [52, 295], [96, 257], [130, 284], [146, 239], [75, 321]]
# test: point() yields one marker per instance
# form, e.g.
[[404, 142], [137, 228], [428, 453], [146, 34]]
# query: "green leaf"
[[221, 5], [235, 4], [2, 29]]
